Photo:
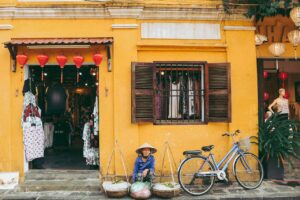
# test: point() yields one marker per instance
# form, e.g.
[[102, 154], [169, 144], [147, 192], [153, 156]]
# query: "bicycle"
[[197, 173]]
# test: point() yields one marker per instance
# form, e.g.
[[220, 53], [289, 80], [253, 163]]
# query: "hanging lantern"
[[61, 60], [97, 60], [78, 60], [277, 49], [282, 76], [22, 60], [286, 95], [266, 74], [266, 96], [260, 39], [43, 59], [294, 38], [295, 16]]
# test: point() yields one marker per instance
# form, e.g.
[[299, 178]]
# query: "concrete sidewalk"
[[268, 190]]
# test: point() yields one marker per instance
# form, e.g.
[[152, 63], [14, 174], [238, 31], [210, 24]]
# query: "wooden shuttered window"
[[218, 97], [142, 77]]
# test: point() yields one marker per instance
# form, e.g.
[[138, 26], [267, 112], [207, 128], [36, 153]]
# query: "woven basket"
[[117, 194], [167, 193]]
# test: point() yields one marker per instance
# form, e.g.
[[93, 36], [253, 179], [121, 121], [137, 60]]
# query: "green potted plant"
[[278, 141]]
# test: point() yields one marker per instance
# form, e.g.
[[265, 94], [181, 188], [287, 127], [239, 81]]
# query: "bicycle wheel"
[[248, 171], [189, 178]]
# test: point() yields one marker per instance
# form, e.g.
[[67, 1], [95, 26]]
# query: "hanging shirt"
[[174, 101], [191, 97], [140, 166], [56, 99]]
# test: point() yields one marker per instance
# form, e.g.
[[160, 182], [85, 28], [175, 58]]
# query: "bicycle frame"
[[233, 152]]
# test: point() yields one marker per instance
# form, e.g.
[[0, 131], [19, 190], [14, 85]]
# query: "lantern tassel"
[[42, 74], [97, 74], [276, 64], [61, 75], [77, 75]]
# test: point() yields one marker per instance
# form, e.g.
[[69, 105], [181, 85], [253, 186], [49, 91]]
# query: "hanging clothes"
[[96, 117], [191, 102], [197, 98], [174, 101], [33, 133], [89, 153], [49, 131]]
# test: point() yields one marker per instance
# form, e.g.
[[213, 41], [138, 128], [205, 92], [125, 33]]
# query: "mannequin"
[[282, 105]]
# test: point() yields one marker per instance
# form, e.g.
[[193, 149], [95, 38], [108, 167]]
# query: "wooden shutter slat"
[[142, 92], [219, 93]]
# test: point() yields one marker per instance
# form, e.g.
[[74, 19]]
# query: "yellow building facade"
[[134, 30]]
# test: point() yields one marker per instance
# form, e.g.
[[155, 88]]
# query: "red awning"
[[58, 41]]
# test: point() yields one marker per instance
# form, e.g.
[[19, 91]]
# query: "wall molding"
[[6, 27], [239, 28], [124, 26], [77, 12]]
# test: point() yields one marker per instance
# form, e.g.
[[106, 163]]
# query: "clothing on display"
[[49, 131], [33, 133], [91, 154], [177, 98]]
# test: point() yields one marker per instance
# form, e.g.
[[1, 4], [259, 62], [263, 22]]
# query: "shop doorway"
[[270, 79], [68, 104]]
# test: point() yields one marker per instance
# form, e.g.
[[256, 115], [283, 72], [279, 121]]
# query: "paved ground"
[[268, 190], [85, 185]]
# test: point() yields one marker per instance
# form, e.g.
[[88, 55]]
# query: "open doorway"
[[286, 76], [69, 113]]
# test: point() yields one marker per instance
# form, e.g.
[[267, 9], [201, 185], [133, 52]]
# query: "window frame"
[[210, 88], [182, 121]]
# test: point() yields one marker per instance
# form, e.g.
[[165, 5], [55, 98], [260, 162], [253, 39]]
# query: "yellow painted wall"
[[115, 88]]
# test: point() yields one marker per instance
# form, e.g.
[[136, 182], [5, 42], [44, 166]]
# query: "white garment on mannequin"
[[174, 100]]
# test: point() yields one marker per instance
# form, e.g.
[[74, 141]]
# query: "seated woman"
[[144, 164]]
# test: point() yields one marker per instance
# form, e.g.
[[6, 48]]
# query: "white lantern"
[[295, 16], [259, 39], [277, 49], [294, 38]]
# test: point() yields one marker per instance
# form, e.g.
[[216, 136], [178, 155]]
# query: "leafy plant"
[[279, 138], [261, 8]]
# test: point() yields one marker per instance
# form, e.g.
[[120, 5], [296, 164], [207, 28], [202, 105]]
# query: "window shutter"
[[218, 92], [142, 92]]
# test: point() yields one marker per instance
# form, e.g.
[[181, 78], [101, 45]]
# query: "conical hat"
[[146, 145]]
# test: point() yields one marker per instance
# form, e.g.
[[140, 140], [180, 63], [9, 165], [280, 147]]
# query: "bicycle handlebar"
[[233, 134]]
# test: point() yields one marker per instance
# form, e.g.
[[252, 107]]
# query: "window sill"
[[179, 122]]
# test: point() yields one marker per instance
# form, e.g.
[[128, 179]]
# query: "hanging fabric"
[[174, 100], [33, 133], [91, 154]]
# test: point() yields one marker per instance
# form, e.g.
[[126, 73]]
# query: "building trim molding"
[[124, 26], [119, 12], [239, 28], [6, 27]]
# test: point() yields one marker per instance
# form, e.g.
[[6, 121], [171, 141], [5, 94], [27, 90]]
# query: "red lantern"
[[43, 59], [283, 76], [286, 95], [97, 60], [61, 60], [78, 60], [266, 74], [266, 96], [22, 60]]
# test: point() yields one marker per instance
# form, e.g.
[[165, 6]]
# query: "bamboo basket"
[[116, 193]]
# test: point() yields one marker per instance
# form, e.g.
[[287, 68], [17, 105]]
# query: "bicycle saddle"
[[192, 152], [208, 148]]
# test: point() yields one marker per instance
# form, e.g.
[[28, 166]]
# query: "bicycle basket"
[[244, 144]]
